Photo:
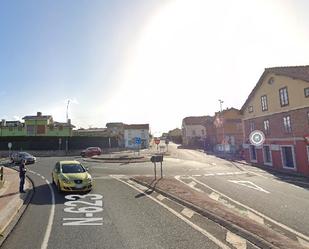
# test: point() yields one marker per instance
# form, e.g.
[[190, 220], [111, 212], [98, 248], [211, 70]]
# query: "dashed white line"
[[235, 240], [187, 212], [161, 197]]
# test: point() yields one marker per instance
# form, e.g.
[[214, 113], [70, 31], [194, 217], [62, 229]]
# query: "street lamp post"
[[222, 121]]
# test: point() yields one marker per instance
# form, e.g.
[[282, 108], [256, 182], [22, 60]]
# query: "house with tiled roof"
[[195, 129], [278, 106], [228, 130]]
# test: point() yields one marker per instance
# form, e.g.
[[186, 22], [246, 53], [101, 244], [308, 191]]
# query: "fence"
[[56, 143]]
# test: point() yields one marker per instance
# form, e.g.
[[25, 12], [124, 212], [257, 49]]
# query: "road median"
[[258, 234]]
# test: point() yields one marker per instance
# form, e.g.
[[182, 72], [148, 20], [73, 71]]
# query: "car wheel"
[[58, 187]]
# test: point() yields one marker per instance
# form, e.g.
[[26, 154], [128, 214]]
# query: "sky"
[[138, 61]]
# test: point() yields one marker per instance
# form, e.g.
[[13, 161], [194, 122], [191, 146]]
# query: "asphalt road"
[[126, 219]]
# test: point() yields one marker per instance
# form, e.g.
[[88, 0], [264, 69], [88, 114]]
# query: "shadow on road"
[[149, 191]]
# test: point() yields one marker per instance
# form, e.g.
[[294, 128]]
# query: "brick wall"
[[299, 122]]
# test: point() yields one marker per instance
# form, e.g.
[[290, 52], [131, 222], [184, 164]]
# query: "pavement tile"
[[11, 200]]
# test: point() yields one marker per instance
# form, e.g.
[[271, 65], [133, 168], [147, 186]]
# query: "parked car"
[[71, 176], [17, 157], [91, 151]]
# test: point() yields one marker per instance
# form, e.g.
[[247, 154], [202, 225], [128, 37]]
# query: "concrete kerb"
[[142, 160], [19, 211], [254, 239]]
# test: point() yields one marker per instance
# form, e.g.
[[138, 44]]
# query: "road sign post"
[[10, 147], [157, 159], [167, 142], [138, 142]]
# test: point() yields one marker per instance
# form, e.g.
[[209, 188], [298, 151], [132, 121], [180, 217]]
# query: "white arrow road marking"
[[250, 185], [299, 234]]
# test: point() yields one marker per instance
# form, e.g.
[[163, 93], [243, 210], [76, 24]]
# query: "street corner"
[[12, 202], [201, 203]]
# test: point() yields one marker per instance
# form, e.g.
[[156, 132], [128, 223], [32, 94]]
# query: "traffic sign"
[[9, 145], [157, 141], [257, 138], [138, 140]]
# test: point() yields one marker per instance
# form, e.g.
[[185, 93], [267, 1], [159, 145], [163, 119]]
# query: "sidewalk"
[[258, 234], [11, 201]]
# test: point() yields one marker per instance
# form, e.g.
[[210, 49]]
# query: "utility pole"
[[67, 116], [222, 121], [67, 113]]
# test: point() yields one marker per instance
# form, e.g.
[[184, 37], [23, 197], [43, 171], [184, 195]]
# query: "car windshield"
[[24, 154], [72, 168]]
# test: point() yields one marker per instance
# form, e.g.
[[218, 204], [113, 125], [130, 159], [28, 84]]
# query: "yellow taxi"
[[71, 176]]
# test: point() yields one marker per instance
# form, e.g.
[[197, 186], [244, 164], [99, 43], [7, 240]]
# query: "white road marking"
[[194, 226], [236, 240], [303, 242], [255, 217], [89, 215], [187, 212], [249, 184], [161, 197], [43, 177], [192, 185], [141, 187], [214, 196], [299, 234], [50, 219]]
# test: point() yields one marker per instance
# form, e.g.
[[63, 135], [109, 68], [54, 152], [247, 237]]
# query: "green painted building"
[[38, 125]]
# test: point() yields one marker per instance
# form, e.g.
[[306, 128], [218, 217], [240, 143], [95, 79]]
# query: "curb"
[[256, 240], [19, 211], [116, 161]]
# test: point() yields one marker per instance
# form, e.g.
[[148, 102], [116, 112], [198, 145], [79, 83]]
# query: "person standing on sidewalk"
[[22, 175]]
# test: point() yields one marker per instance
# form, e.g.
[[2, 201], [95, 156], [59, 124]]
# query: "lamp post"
[[222, 121]]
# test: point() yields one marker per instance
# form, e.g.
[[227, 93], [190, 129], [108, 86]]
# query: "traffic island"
[[256, 233], [118, 159]]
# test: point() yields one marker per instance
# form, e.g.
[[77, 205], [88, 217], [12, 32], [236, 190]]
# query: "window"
[[267, 155], [252, 126], [266, 126], [264, 103], [284, 98], [306, 90], [252, 153], [287, 124], [250, 109], [287, 155], [308, 117]]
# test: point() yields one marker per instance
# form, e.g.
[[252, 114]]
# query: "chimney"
[[39, 114]]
